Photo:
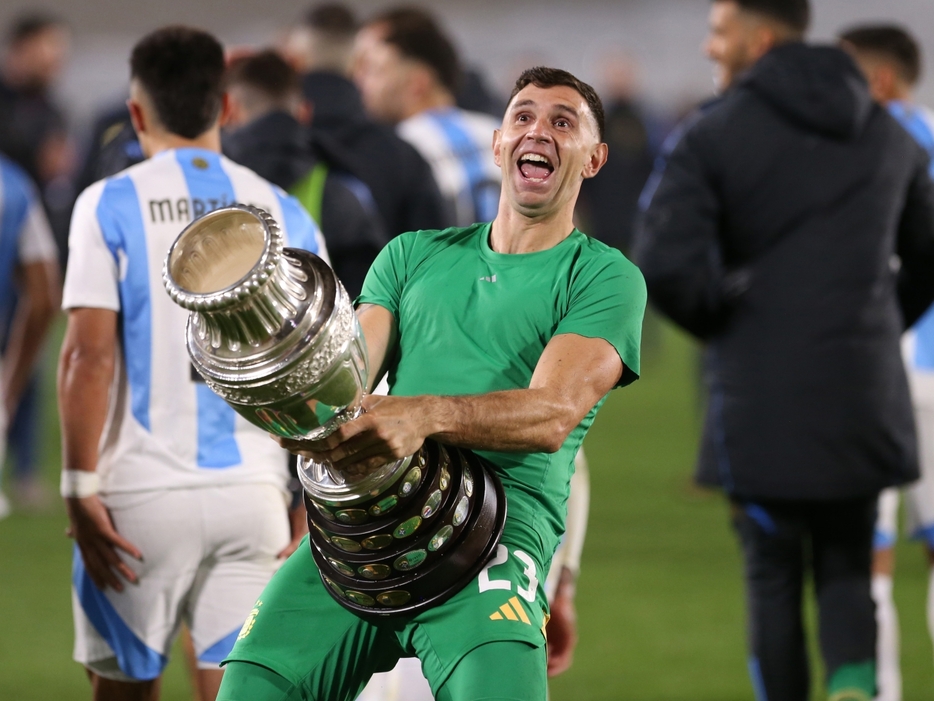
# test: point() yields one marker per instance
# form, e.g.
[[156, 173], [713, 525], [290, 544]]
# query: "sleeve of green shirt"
[[387, 275], [608, 302]]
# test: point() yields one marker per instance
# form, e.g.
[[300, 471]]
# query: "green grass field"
[[659, 600]]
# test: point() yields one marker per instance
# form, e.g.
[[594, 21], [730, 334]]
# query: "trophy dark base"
[[425, 550]]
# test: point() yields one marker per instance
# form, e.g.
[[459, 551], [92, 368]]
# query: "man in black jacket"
[[399, 178], [793, 232], [265, 133]]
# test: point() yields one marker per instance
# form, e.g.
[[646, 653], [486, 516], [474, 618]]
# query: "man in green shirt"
[[503, 338]]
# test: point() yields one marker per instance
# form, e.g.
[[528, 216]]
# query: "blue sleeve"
[[18, 197]]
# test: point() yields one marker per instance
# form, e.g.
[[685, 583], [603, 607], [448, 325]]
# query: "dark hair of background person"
[[182, 71], [417, 36], [794, 13], [266, 72], [334, 19], [543, 77], [890, 42], [30, 25]]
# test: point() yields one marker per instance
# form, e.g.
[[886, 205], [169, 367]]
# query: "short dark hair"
[[182, 71], [27, 26], [891, 42], [266, 72], [796, 14], [416, 34], [543, 77], [333, 18]]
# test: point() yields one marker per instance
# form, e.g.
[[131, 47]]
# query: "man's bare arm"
[[379, 330], [85, 374], [572, 375], [39, 298]]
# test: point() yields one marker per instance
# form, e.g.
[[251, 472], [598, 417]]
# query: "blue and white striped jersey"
[[25, 235], [919, 341], [458, 146], [165, 429]]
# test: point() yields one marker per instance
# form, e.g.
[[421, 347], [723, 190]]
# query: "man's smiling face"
[[548, 144]]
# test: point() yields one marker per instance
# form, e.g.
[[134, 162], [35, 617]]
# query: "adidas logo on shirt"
[[511, 610]]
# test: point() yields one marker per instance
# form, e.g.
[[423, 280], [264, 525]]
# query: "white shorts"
[[405, 682], [919, 496], [207, 555]]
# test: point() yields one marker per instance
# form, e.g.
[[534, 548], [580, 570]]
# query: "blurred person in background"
[[609, 201], [476, 95], [112, 146], [30, 289], [178, 507], [398, 177], [408, 74], [33, 134], [770, 236], [890, 58], [33, 129], [266, 131]]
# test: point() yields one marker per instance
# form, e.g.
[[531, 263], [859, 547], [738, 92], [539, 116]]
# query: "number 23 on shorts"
[[527, 592]]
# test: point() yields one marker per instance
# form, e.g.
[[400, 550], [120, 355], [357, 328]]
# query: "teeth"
[[535, 157]]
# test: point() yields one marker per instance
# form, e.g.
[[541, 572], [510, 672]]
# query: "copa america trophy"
[[273, 332]]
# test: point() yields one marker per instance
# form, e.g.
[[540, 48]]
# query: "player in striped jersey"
[[29, 287], [166, 487], [407, 73], [891, 61]]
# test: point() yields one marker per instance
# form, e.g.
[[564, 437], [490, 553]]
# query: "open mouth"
[[535, 167]]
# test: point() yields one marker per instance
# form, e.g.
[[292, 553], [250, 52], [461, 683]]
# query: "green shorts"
[[323, 651]]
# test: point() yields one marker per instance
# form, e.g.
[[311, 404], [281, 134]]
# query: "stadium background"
[[660, 601], [499, 37]]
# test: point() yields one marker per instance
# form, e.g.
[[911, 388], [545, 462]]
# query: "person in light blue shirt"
[[166, 487], [408, 73], [29, 288], [890, 58]]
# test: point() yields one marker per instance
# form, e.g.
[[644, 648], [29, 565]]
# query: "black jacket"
[[277, 148], [775, 235], [399, 178]]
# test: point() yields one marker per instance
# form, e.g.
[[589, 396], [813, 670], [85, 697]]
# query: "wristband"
[[79, 484]]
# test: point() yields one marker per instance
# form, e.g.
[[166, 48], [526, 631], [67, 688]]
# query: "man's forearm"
[[522, 420], [572, 375], [28, 335], [34, 313]]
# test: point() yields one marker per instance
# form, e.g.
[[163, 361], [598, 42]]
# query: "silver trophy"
[[273, 332]]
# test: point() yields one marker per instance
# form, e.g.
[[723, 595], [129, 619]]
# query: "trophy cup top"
[[225, 257]]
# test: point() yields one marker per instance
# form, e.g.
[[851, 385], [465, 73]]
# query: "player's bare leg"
[[209, 682], [191, 663], [112, 690]]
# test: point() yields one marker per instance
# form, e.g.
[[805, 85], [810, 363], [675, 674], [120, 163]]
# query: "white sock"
[[888, 672]]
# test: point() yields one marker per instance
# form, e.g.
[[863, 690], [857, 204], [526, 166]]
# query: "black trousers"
[[782, 542]]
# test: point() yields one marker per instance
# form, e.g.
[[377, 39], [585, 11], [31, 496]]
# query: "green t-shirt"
[[473, 321]]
